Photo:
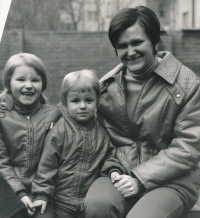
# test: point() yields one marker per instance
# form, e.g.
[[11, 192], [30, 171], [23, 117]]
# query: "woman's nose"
[[131, 50]]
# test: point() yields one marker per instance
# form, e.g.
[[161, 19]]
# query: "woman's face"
[[26, 85], [135, 50]]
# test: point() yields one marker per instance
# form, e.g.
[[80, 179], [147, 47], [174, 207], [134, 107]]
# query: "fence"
[[64, 52]]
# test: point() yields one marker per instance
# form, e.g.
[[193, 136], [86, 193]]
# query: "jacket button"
[[178, 95], [122, 154]]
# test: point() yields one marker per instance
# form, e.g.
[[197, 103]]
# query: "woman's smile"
[[135, 49]]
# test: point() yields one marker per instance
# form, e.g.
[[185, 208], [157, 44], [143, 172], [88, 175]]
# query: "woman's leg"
[[163, 202], [64, 212], [103, 200]]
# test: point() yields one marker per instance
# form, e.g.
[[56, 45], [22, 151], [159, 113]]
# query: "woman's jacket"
[[160, 144], [21, 144], [74, 156]]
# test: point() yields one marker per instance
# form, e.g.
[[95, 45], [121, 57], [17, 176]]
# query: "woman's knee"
[[103, 200]]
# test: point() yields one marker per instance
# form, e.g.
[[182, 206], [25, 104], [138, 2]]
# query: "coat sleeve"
[[6, 169], [183, 154], [48, 167], [111, 163]]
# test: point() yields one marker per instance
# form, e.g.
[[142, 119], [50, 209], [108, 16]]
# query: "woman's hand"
[[40, 203], [29, 205], [114, 175], [126, 185]]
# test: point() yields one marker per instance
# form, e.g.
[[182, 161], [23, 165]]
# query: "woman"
[[150, 107]]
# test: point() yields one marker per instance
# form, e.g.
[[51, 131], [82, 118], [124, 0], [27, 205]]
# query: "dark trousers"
[[64, 212], [10, 204], [49, 212], [104, 201]]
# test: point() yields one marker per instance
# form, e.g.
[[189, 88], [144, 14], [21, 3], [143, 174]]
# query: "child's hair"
[[83, 80], [18, 60]]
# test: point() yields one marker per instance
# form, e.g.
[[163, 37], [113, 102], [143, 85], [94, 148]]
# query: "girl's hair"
[[18, 60], [127, 17], [82, 81]]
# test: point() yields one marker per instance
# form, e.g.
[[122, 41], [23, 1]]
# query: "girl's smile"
[[26, 85]]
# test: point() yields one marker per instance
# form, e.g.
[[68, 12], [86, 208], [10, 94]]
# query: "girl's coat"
[[21, 144]]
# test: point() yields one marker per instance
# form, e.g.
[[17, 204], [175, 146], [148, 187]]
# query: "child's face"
[[81, 105], [26, 85]]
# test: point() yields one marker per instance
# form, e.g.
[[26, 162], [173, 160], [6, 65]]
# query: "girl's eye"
[[75, 100], [36, 80], [20, 79]]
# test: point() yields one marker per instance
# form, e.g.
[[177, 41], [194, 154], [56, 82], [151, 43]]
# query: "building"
[[96, 14], [185, 14]]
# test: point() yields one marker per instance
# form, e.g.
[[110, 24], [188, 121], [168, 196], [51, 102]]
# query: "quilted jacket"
[[160, 144], [21, 144], [74, 156]]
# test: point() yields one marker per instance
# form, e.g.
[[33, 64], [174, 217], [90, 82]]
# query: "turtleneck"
[[144, 75], [27, 109], [133, 83]]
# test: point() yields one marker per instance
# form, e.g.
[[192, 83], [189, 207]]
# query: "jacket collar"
[[168, 68], [86, 126]]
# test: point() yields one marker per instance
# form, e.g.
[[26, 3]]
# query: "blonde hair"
[[18, 60], [83, 80]]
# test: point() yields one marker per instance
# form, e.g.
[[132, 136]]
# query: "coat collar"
[[86, 126], [168, 68]]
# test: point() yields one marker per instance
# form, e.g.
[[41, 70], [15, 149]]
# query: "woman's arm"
[[183, 154]]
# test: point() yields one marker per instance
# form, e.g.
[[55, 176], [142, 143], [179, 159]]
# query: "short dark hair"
[[127, 17]]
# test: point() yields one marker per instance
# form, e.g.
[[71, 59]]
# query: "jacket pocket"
[[128, 157], [48, 126], [147, 151]]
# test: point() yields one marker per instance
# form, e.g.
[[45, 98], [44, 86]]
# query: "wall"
[[64, 52]]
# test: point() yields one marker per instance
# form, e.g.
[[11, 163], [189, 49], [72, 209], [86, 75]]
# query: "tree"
[[74, 8], [100, 17]]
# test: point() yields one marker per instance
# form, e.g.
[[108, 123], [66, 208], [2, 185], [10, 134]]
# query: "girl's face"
[[81, 105], [26, 85]]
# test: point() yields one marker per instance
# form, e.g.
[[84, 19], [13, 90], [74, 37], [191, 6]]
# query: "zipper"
[[131, 127], [82, 171], [30, 144]]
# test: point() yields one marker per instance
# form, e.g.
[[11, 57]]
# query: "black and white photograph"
[[99, 108]]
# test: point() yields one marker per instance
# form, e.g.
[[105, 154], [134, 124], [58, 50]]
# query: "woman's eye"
[[121, 46]]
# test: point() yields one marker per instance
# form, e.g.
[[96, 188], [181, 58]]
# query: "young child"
[[76, 150], [25, 119]]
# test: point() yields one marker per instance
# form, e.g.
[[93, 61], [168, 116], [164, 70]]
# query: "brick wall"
[[64, 52]]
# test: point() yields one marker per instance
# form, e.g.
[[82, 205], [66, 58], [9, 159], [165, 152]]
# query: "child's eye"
[[36, 80], [75, 100], [20, 79], [89, 100]]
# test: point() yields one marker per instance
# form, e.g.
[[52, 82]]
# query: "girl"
[[25, 119]]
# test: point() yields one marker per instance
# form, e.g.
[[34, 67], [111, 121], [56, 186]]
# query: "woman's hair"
[[18, 60], [127, 17], [83, 80]]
